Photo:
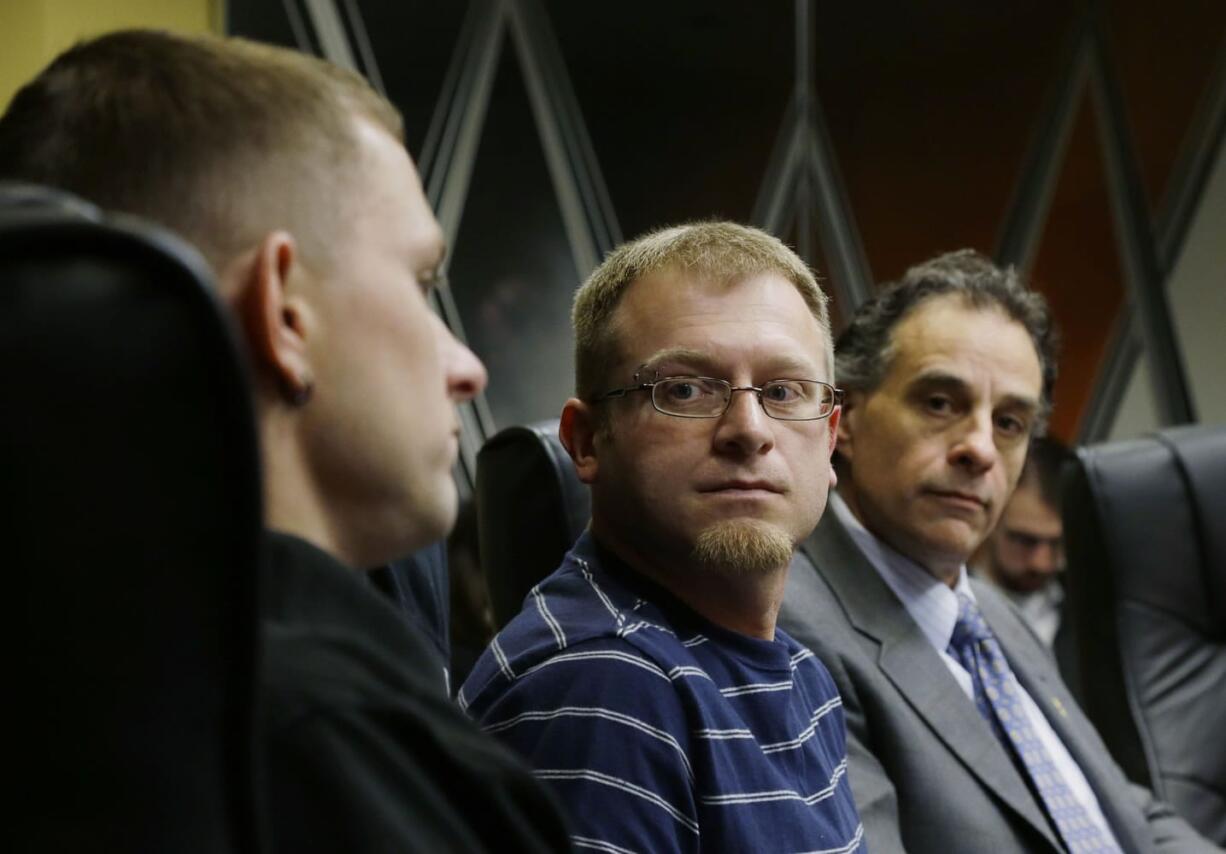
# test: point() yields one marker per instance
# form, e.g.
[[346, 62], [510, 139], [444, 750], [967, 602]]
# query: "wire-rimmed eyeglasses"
[[708, 397]]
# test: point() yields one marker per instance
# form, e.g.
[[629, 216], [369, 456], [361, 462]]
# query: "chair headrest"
[[21, 199], [531, 507], [1151, 510]]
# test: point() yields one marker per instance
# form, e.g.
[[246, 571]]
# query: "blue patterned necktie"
[[996, 696]]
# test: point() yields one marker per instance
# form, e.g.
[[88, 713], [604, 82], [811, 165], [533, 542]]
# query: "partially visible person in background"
[[441, 591], [1024, 554], [419, 586], [472, 615]]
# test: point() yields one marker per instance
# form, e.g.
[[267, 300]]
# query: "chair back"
[[531, 507], [1145, 525], [129, 457]]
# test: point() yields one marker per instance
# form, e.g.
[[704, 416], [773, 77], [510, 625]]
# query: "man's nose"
[[464, 373], [745, 428], [974, 448], [1046, 557]]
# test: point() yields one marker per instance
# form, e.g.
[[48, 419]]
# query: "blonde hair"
[[219, 139], [723, 251]]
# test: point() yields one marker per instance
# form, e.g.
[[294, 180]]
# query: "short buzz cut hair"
[[865, 350], [724, 252], [219, 139]]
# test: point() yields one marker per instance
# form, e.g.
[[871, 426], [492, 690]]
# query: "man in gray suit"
[[962, 737]]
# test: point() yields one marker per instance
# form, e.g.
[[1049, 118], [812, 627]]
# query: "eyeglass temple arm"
[[625, 390]]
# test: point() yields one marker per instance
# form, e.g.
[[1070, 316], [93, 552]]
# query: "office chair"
[[530, 510], [131, 476], [1145, 527]]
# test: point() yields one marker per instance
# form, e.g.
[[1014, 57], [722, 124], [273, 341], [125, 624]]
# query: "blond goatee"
[[743, 547]]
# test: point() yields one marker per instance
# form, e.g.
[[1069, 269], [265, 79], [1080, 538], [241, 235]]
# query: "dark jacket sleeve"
[[370, 782]]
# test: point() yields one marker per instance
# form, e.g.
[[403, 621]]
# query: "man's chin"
[[743, 547], [435, 522], [449, 510], [941, 557], [1028, 584], [953, 541]]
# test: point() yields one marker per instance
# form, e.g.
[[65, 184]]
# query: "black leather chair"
[[130, 470], [1145, 525], [530, 510]]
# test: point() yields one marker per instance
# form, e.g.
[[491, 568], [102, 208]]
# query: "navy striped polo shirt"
[[660, 730]]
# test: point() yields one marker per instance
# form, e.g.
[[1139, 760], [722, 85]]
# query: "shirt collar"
[[670, 613], [928, 600]]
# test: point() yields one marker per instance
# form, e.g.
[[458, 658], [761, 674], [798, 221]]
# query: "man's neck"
[[946, 571], [986, 570], [740, 602], [292, 502]]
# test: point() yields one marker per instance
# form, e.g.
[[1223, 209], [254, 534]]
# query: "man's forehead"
[[389, 173], [1028, 510], [669, 292], [704, 280], [945, 338], [781, 364], [944, 319], [421, 231], [668, 320]]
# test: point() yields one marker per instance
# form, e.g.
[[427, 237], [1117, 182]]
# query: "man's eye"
[[682, 391], [783, 392], [1011, 425], [938, 404], [688, 388], [1024, 541]]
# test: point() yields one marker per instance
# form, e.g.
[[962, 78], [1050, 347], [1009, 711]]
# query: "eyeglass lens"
[[702, 397]]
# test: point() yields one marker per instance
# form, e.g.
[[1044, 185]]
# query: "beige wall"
[[32, 32]]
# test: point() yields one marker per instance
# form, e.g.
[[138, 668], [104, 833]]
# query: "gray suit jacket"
[[927, 773]]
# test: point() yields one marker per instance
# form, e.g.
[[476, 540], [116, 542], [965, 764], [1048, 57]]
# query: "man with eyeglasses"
[[1023, 557], [646, 679]]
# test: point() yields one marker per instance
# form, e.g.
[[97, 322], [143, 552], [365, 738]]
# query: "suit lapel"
[[1062, 712], [908, 660]]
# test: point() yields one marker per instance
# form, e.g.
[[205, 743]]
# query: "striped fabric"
[[661, 731]]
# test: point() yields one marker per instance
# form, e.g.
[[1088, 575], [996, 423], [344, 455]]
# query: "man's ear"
[[578, 430], [834, 430], [832, 439], [844, 427], [275, 316]]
